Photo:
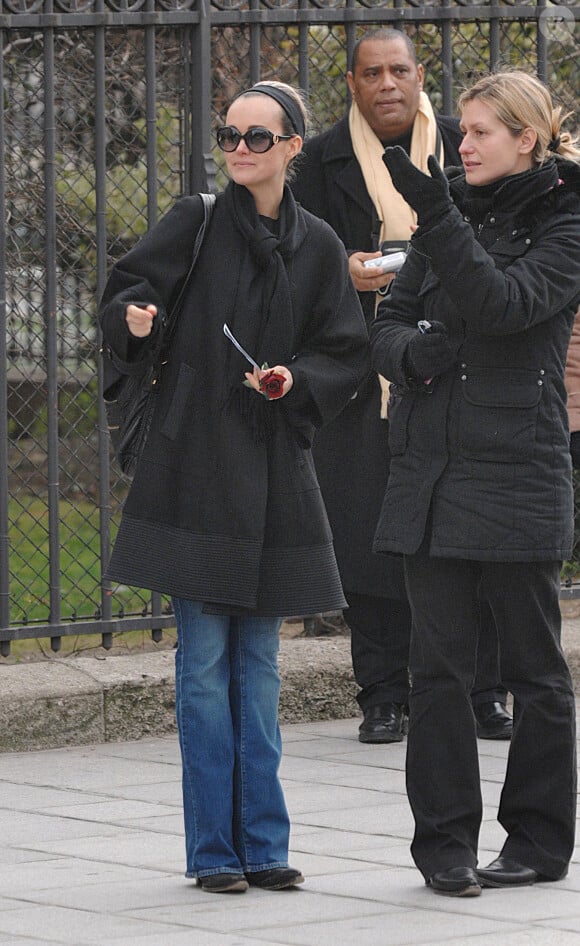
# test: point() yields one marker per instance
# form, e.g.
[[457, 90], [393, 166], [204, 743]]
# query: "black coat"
[[485, 455], [351, 454], [215, 512]]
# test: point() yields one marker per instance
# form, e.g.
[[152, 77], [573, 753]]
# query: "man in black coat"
[[340, 180]]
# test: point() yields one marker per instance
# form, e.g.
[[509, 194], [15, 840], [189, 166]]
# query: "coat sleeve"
[[150, 273], [396, 321], [535, 285], [333, 356]]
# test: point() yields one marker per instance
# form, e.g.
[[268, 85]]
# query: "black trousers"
[[380, 640], [538, 801]]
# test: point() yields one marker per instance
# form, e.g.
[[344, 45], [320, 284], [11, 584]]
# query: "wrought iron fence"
[[106, 117]]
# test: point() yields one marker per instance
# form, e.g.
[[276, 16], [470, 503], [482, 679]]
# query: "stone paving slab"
[[92, 855]]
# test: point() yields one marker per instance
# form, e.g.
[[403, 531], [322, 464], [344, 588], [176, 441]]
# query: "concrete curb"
[[82, 701]]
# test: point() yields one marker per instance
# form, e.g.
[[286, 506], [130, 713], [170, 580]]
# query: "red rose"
[[272, 385]]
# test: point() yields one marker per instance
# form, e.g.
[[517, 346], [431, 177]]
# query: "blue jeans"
[[226, 694]]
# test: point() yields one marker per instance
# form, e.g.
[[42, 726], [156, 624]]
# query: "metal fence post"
[[51, 327], [203, 169], [4, 497]]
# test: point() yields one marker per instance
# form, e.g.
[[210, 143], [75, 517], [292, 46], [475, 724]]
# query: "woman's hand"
[[271, 382], [367, 279], [140, 320], [431, 353], [428, 196]]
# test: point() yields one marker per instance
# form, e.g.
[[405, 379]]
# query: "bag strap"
[[155, 356], [208, 201]]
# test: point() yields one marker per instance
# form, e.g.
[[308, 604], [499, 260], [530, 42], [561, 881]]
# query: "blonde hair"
[[521, 101]]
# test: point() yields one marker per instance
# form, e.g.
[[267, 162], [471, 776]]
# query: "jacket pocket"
[[499, 413], [183, 402], [506, 250]]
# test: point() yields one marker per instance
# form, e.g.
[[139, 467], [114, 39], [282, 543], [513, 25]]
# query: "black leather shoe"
[[493, 721], [385, 722], [277, 878], [456, 882], [506, 873], [223, 883]]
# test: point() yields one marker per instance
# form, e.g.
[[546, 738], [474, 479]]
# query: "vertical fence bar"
[[351, 38], [187, 117], [350, 32], [494, 41], [303, 61], [447, 65], [186, 131], [151, 118], [202, 164], [101, 248], [4, 490], [255, 33], [152, 182], [51, 326], [542, 45]]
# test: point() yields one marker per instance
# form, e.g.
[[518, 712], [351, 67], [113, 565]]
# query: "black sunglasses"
[[257, 140]]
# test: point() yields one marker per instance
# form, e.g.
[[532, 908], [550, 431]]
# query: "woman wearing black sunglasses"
[[224, 512]]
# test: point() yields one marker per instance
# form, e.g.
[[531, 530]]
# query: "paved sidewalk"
[[91, 854]]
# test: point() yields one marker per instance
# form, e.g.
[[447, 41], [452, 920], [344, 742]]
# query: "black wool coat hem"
[[199, 567]]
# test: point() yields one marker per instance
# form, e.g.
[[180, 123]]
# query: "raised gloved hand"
[[428, 196], [429, 354]]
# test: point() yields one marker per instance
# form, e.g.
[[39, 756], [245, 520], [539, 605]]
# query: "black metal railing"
[[106, 118]]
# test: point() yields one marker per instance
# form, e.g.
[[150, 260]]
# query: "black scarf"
[[263, 321]]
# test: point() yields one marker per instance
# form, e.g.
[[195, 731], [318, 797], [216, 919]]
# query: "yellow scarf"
[[393, 211]]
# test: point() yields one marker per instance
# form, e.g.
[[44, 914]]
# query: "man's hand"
[[367, 280], [140, 320], [428, 196]]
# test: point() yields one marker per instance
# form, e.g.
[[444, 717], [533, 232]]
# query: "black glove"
[[428, 196], [429, 354]]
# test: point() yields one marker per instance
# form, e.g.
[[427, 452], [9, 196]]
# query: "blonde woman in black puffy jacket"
[[473, 338]]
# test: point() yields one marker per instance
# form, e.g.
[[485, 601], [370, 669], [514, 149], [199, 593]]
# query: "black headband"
[[285, 101]]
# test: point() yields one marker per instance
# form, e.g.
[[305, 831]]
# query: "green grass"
[[78, 573], [78, 566]]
